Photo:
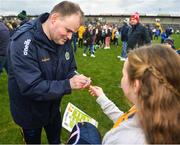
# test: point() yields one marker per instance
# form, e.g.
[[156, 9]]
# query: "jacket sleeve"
[[109, 108], [25, 67]]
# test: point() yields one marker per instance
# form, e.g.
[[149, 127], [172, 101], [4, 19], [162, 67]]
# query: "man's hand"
[[80, 82]]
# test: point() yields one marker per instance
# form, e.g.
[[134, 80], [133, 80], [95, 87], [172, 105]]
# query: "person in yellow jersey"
[[151, 82], [113, 35], [80, 35]]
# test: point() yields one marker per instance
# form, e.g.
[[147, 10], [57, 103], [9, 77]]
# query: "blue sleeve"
[[28, 75]]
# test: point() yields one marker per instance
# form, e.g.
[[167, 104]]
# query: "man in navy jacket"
[[42, 69]]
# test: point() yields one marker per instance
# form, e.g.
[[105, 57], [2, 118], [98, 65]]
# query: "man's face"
[[133, 21], [61, 29]]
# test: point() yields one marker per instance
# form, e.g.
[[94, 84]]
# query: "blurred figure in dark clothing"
[[124, 38], [150, 32], [22, 16], [137, 34], [4, 43]]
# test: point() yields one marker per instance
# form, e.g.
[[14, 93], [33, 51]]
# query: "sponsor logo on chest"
[[26, 46]]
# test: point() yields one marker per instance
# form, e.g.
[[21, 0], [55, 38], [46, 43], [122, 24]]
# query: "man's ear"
[[136, 86], [53, 17]]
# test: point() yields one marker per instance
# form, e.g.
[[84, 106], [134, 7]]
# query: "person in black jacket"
[[4, 43], [42, 69], [124, 38], [137, 34]]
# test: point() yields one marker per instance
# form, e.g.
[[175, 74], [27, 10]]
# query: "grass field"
[[104, 70]]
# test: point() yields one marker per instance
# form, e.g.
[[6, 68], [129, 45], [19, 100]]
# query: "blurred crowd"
[[94, 35]]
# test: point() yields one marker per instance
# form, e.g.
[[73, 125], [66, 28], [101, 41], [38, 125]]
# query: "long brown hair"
[[158, 69]]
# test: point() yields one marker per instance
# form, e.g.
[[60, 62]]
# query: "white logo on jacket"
[[26, 46]]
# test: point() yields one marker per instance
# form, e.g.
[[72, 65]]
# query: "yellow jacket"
[[81, 31]]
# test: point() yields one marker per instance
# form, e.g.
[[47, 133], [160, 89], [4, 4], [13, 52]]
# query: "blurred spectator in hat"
[[88, 41], [138, 34], [22, 16], [170, 42]]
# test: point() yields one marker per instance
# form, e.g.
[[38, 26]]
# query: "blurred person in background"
[[149, 31], [124, 38], [116, 37], [22, 16], [138, 34], [107, 36], [4, 43], [80, 35]]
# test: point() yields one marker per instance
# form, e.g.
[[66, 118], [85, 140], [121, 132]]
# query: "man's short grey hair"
[[67, 8]]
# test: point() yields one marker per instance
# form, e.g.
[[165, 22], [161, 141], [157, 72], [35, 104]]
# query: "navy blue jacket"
[[39, 72]]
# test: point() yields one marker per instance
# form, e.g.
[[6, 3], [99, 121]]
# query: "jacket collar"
[[40, 36]]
